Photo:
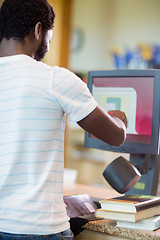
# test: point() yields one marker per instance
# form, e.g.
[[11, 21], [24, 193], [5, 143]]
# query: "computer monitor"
[[137, 93]]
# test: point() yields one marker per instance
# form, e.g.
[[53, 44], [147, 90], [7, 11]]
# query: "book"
[[127, 216], [79, 205], [151, 223], [130, 203], [80, 209]]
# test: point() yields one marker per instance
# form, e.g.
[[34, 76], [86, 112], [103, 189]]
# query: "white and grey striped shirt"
[[34, 98]]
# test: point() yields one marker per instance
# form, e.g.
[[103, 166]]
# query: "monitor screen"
[[137, 93]]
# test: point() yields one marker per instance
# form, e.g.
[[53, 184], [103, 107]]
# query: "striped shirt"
[[34, 99]]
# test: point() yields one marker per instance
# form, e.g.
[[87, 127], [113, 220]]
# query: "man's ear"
[[38, 31]]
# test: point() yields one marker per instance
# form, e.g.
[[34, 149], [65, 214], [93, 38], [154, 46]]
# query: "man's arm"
[[111, 128]]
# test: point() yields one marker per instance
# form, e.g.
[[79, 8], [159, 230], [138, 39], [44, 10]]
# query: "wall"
[[1, 1], [53, 56], [59, 47], [106, 23]]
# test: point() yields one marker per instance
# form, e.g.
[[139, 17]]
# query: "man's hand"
[[119, 114]]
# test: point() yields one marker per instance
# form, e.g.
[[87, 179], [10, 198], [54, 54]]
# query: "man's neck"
[[13, 47]]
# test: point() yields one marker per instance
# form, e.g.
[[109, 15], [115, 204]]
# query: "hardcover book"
[[80, 209], [130, 203], [151, 223], [127, 216], [79, 205]]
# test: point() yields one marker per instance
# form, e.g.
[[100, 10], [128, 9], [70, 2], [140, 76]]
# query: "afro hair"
[[19, 17]]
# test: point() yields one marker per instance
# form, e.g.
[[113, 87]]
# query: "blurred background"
[[101, 35]]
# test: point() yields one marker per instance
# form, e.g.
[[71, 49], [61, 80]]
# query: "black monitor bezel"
[[128, 147]]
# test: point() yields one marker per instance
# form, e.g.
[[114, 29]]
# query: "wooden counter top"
[[92, 191]]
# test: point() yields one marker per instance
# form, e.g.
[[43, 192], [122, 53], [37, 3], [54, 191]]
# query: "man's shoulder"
[[55, 69], [44, 68], [43, 65]]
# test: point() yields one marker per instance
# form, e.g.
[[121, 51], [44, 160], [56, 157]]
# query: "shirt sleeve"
[[72, 94]]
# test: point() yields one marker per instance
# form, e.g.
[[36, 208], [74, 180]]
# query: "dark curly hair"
[[19, 17]]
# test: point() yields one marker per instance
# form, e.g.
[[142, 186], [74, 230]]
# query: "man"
[[34, 98]]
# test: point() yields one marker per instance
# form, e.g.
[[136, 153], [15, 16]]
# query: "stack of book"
[[132, 211]]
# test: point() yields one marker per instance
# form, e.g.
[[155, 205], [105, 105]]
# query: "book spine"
[[147, 204]]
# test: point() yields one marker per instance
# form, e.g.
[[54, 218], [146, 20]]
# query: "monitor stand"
[[149, 167]]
